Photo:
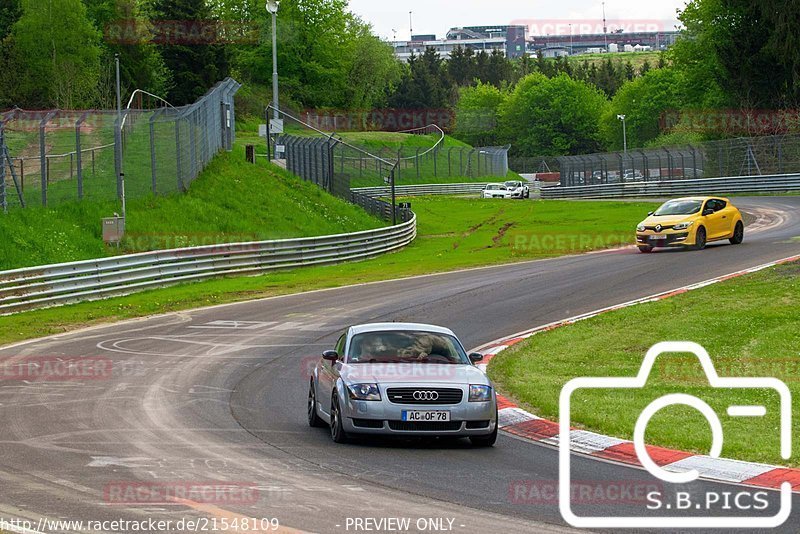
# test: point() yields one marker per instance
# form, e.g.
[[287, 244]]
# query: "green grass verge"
[[748, 325], [231, 201], [453, 233]]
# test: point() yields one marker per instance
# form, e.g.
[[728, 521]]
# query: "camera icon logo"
[[639, 382]]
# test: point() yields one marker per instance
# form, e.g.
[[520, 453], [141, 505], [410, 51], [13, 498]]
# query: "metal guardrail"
[[52, 285], [779, 183], [422, 190]]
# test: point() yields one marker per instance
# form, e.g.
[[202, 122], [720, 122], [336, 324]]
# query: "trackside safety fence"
[[52, 285], [54, 156], [781, 183]]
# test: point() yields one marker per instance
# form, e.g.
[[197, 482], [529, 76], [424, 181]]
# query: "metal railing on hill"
[[51, 285]]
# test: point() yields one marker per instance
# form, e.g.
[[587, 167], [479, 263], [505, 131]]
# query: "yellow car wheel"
[[700, 239], [738, 234]]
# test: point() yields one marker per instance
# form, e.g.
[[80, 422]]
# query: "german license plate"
[[416, 415]]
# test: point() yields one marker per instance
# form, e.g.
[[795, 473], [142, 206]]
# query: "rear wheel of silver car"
[[738, 234], [486, 441], [313, 419], [338, 435]]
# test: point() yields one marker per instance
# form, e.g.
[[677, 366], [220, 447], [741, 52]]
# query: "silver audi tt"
[[402, 379]]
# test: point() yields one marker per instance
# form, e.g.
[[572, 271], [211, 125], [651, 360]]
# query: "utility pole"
[[411, 24], [272, 7], [605, 27]]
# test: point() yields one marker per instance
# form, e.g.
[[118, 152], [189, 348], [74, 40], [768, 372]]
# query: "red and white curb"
[[516, 421]]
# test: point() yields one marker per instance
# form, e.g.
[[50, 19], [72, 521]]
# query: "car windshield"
[[406, 347], [679, 207], [513, 184]]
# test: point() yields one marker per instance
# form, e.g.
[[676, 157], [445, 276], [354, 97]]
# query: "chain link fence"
[[50, 157], [751, 156]]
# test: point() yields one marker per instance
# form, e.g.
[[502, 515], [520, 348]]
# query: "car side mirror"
[[650, 213], [331, 356], [708, 212], [476, 357]]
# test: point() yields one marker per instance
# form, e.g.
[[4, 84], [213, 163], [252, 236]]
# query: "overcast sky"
[[437, 16]]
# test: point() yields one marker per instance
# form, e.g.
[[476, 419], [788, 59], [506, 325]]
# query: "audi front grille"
[[425, 396]]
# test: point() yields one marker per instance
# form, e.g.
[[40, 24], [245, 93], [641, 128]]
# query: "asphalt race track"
[[220, 395]]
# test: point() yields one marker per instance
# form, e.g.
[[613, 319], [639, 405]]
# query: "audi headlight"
[[682, 226], [641, 228], [480, 393], [364, 392]]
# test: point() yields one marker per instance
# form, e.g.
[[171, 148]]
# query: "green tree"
[[194, 66], [55, 56], [477, 114], [552, 116], [498, 69], [125, 26], [643, 101], [10, 12], [425, 84], [372, 69], [462, 66]]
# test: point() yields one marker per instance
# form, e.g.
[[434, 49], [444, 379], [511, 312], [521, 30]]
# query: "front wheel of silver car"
[[338, 435], [486, 441], [313, 419]]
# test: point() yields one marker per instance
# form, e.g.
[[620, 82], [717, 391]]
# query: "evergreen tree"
[[124, 24], [194, 66], [498, 69], [462, 66]]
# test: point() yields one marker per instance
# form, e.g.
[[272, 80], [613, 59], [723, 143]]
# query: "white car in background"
[[496, 191], [518, 189]]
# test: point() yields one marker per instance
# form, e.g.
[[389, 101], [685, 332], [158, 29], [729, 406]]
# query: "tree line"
[[60, 53]]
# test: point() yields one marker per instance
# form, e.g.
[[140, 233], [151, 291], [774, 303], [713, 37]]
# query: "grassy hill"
[[231, 201]]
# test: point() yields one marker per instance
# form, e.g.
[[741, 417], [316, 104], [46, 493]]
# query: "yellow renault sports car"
[[691, 222]]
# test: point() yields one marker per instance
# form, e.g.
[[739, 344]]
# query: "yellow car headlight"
[[640, 228], [682, 226]]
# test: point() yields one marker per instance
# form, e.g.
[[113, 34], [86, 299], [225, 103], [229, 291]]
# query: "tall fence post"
[[3, 198], [79, 153], [43, 166]]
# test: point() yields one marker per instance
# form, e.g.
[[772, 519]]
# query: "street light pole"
[[624, 134], [272, 8], [118, 141], [570, 39]]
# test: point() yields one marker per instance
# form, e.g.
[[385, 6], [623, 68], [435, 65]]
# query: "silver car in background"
[[402, 379]]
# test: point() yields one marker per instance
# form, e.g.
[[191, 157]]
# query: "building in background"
[[514, 42], [511, 41]]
